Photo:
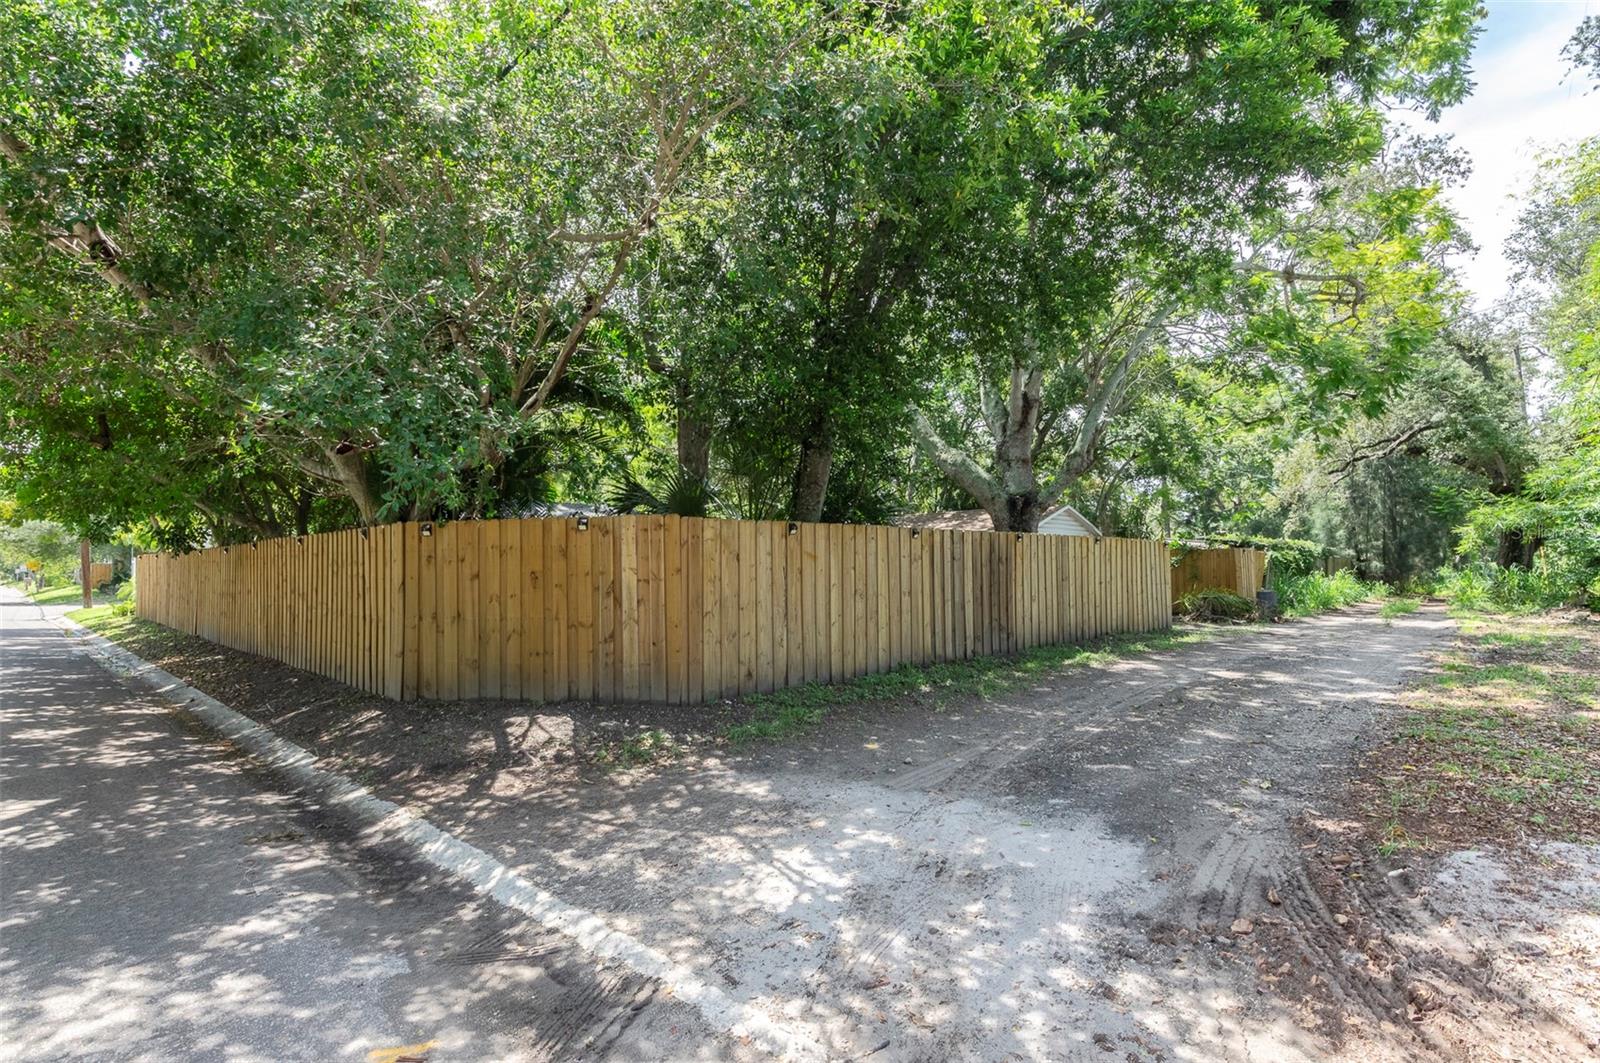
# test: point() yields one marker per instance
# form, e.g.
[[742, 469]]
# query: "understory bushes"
[[1316, 593], [1289, 557], [1486, 586], [1215, 604]]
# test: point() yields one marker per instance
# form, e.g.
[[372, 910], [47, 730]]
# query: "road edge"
[[439, 848]]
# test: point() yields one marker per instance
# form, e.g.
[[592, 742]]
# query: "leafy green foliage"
[[285, 269], [1484, 586], [325, 249], [680, 492], [1551, 524], [1316, 593], [1288, 557], [50, 545]]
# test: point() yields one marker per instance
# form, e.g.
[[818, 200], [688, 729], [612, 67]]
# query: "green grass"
[[786, 713], [1580, 687], [1523, 640], [119, 625], [1501, 741], [94, 615], [67, 592], [1398, 607], [646, 747]]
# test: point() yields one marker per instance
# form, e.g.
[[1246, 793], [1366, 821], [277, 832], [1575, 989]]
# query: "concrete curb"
[[394, 823]]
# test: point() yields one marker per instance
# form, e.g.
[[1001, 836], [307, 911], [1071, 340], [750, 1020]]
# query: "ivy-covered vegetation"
[[283, 268]]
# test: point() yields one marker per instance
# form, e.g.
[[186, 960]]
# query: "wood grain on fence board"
[[668, 609]]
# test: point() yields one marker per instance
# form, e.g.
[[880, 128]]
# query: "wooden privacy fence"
[[1242, 570], [1334, 563], [667, 609]]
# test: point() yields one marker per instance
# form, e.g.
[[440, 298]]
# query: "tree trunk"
[[1023, 512], [302, 512], [1517, 548], [86, 566], [694, 443], [350, 465], [811, 475]]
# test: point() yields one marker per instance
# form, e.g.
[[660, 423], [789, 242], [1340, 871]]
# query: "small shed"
[[1062, 520]]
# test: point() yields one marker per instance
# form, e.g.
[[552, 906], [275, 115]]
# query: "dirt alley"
[[1140, 861]]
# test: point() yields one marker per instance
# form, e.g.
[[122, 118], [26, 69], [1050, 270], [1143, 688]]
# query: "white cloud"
[[1519, 108]]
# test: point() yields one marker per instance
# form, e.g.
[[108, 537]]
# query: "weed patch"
[[1316, 593], [785, 713], [1500, 743], [1398, 607], [646, 747]]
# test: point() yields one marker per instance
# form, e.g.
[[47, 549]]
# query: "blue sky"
[[1519, 107]]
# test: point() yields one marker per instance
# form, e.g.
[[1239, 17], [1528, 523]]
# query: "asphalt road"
[[162, 900]]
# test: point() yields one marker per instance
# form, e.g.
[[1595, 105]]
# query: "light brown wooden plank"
[[748, 604], [532, 608], [971, 635], [583, 593], [653, 612], [731, 540], [403, 618], [491, 590], [448, 547], [794, 600], [631, 557], [766, 537], [868, 593], [559, 681], [894, 626], [883, 541], [711, 618], [837, 667], [674, 670], [514, 577], [694, 597], [469, 543], [813, 580], [603, 558]]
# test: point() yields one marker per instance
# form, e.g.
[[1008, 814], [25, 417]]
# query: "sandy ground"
[[161, 901], [1529, 924], [1142, 861]]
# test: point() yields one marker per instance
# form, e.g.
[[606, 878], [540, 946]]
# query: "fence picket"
[[662, 608]]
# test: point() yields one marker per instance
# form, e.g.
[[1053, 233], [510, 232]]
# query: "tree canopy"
[[284, 267]]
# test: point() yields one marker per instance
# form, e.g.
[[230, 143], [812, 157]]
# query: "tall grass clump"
[[1316, 593], [1486, 587]]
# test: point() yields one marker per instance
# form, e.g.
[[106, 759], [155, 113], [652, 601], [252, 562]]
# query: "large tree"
[[370, 239], [1555, 510], [1210, 126]]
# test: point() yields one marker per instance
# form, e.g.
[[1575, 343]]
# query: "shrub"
[[1214, 604], [1289, 557], [1316, 593], [1488, 587]]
